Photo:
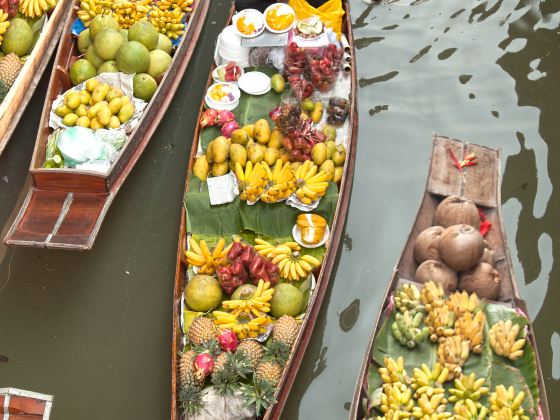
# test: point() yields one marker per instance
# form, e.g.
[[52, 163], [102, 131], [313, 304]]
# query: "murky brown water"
[[94, 328]]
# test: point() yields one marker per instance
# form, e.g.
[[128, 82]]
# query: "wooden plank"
[[444, 178], [482, 192]]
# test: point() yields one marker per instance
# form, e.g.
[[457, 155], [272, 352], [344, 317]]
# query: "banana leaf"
[[250, 109]]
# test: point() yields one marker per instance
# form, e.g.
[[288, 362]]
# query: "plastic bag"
[[330, 13]]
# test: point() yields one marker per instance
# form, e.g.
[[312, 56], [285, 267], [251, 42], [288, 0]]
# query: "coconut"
[[460, 247], [488, 256], [438, 272], [455, 210], [483, 279], [425, 244]]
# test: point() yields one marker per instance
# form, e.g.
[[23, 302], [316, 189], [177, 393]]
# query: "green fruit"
[[101, 22], [308, 105], [144, 32], [286, 300], [339, 155], [107, 43], [159, 63], [73, 100], [81, 71], [144, 86], [203, 293], [328, 168], [164, 43], [18, 38], [124, 34], [239, 136], [201, 168], [245, 291], [84, 41], [277, 83], [92, 57], [70, 120], [330, 132], [319, 153], [237, 153], [133, 57], [330, 148], [62, 110], [108, 67]]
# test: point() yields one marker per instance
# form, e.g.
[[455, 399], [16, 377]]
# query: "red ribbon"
[[485, 225]]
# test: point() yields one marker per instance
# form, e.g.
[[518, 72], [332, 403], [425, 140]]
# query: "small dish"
[[279, 11], [249, 23], [296, 233], [309, 29], [254, 83], [222, 73]]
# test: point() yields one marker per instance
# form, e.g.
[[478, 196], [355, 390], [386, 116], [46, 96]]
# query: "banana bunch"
[[503, 339], [35, 8], [292, 264], [282, 182], [431, 408], [184, 5], [469, 411], [393, 372], [252, 181], [311, 184], [243, 325], [396, 401], [432, 295], [200, 256], [461, 302], [258, 304], [505, 405], [440, 322], [429, 381], [129, 12], [452, 354], [4, 23], [168, 22], [471, 327], [91, 8], [467, 387], [407, 298], [406, 329]]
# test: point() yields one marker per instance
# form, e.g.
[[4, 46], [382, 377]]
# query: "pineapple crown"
[[278, 352], [260, 394], [190, 399], [211, 347], [236, 367]]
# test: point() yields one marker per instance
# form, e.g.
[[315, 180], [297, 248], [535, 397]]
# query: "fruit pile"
[[97, 106]]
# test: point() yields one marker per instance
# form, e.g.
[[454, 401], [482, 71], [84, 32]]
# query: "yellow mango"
[[262, 131]]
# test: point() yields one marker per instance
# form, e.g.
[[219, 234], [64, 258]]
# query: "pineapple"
[[252, 349], [10, 67], [286, 330], [201, 330], [219, 363], [186, 369], [269, 371]]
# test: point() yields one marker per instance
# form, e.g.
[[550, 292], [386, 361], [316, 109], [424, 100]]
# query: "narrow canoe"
[[64, 208], [481, 184], [323, 275], [18, 404], [13, 106]]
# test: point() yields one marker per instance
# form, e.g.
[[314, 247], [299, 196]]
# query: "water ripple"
[[363, 82]]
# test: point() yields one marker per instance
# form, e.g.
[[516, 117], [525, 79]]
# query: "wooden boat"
[[64, 208], [323, 275], [481, 183], [14, 104], [19, 404]]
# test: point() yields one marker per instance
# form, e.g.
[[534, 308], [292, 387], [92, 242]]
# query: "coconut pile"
[[453, 252]]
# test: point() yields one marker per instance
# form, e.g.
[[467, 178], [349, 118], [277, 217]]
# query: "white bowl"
[[254, 83], [215, 105], [255, 16], [296, 233], [285, 8], [229, 37]]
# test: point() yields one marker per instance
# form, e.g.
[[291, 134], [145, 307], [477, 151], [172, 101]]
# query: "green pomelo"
[[92, 57], [144, 86], [203, 293], [84, 41], [159, 63], [81, 71], [164, 43], [108, 67], [286, 300], [133, 57], [144, 32], [101, 22], [18, 38], [124, 34], [107, 43]]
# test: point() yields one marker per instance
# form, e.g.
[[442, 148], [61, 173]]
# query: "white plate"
[[286, 9], [216, 77], [254, 83], [296, 233], [255, 17]]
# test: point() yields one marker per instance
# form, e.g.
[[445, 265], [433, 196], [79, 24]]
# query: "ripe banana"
[[432, 295], [282, 182], [394, 371], [452, 354], [504, 404], [440, 322], [406, 329], [4, 23], [461, 302], [252, 181], [467, 387], [258, 304], [311, 184], [426, 381], [396, 401], [431, 407], [471, 327], [468, 410], [168, 22], [199, 255], [184, 5], [35, 8], [503, 339], [91, 8], [243, 326], [407, 298], [129, 12], [292, 264]]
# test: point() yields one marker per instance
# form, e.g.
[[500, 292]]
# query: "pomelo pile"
[[140, 50]]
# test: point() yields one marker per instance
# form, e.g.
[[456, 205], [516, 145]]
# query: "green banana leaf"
[[496, 369], [250, 109]]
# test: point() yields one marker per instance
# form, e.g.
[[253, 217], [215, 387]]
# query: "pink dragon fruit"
[[204, 364], [209, 118], [228, 340], [224, 117], [229, 128]]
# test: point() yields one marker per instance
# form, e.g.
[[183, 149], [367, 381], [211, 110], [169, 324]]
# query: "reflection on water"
[[482, 71], [349, 315]]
